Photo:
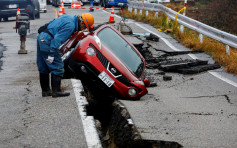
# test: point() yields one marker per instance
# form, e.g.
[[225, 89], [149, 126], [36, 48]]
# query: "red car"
[[106, 61]]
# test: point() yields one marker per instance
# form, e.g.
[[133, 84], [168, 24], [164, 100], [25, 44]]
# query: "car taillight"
[[27, 10]]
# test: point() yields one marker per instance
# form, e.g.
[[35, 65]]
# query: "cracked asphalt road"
[[197, 110]]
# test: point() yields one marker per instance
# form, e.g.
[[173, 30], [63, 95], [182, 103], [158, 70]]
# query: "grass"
[[190, 39]]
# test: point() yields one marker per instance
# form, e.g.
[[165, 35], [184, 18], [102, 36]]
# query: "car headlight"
[[132, 92], [139, 82], [90, 51]]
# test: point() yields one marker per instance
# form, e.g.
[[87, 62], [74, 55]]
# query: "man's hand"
[[50, 59]]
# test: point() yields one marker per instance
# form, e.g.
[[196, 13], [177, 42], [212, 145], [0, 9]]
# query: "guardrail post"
[[181, 29], [200, 38], [129, 9], [156, 15], [227, 49], [135, 11], [141, 11], [146, 13], [185, 5]]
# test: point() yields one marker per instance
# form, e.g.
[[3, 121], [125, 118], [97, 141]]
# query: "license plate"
[[120, 4], [106, 79], [12, 6]]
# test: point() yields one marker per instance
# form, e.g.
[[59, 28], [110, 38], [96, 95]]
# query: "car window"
[[122, 49]]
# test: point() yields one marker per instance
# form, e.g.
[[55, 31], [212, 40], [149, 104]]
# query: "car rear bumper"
[[8, 13], [11, 13]]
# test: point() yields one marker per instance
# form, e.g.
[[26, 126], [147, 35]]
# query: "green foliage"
[[204, 2]]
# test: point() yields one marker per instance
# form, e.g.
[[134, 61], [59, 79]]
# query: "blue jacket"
[[62, 28]]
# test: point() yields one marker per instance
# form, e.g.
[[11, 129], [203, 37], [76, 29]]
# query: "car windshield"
[[122, 50]]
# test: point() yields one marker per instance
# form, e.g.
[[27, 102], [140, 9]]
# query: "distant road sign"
[[75, 5]]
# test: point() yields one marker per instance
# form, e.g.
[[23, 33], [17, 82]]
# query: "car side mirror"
[[146, 82]]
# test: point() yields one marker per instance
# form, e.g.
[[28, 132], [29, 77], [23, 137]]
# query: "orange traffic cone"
[[111, 18], [62, 5], [18, 13], [61, 10]]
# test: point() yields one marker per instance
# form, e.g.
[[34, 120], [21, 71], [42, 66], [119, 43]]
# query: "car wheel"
[[37, 15], [32, 15], [45, 11], [5, 19], [0, 19]]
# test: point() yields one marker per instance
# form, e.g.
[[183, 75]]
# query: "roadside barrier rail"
[[203, 29]]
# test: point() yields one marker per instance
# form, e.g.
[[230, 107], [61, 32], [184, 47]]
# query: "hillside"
[[221, 14]]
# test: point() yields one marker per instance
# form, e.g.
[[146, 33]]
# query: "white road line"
[[92, 138], [223, 78]]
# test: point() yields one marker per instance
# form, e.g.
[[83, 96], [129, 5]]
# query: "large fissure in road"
[[115, 126]]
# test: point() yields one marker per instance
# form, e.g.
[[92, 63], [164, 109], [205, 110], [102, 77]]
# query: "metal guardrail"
[[221, 36]]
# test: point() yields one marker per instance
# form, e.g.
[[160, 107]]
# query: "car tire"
[[32, 15], [45, 11], [37, 15]]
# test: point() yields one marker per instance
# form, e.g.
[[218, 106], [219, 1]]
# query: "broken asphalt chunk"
[[167, 78], [153, 37], [198, 69], [148, 36], [173, 66], [153, 85], [174, 53]]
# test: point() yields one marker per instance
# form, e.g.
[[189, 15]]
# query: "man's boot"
[[44, 83], [56, 87]]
